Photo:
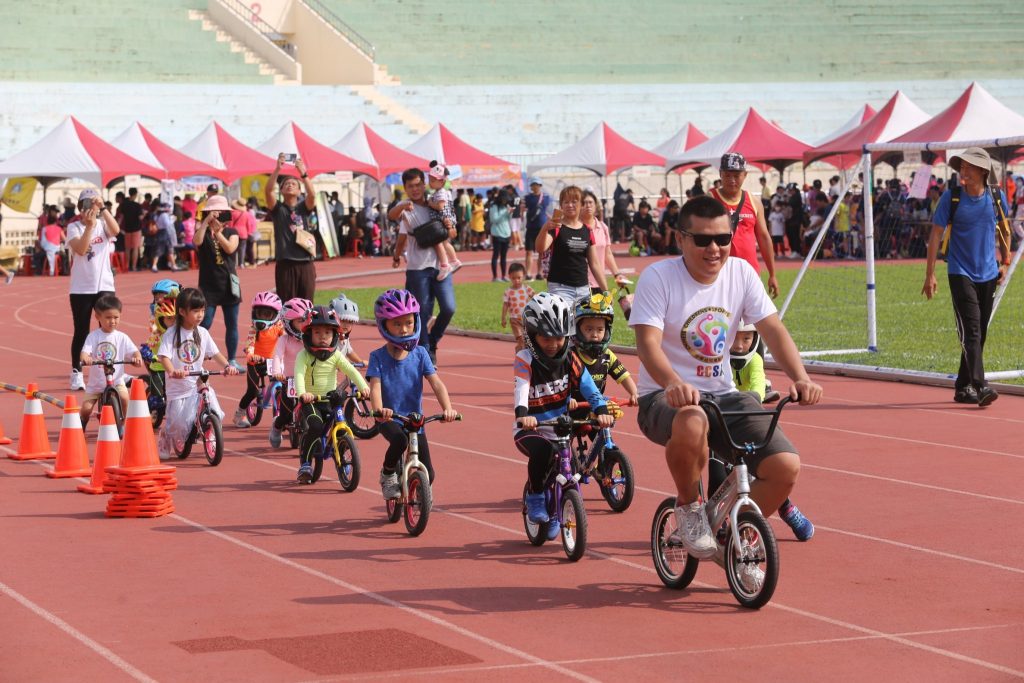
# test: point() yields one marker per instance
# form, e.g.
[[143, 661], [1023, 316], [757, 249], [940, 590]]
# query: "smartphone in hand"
[[290, 158], [557, 216]]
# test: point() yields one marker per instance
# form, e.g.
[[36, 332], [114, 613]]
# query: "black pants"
[[81, 316], [541, 453], [253, 373], [313, 416], [499, 246], [295, 279], [972, 306], [284, 417], [398, 441]]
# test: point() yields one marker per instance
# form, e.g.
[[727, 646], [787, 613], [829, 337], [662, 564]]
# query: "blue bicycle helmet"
[[167, 288]]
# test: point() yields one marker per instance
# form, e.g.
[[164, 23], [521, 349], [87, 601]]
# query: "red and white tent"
[[861, 116], [143, 145], [363, 144], [602, 151], [216, 147], [319, 158], [686, 138], [73, 151], [975, 115], [753, 136], [895, 118], [478, 168]]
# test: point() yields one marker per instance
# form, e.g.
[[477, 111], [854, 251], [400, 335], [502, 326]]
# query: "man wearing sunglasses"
[[686, 313]]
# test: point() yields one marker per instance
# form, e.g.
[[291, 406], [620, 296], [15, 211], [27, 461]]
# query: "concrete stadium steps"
[[177, 112], [116, 41], [667, 41]]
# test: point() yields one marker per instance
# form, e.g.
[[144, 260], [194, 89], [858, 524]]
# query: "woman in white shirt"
[[91, 241]]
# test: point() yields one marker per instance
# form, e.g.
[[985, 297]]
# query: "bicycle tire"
[[254, 411], [213, 439], [754, 531], [616, 480], [536, 533], [318, 469], [674, 566], [417, 507], [574, 525], [110, 397], [362, 427], [346, 461], [393, 508], [186, 447]]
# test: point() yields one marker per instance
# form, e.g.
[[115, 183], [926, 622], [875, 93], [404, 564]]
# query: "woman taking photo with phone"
[[216, 243], [294, 245], [572, 249]]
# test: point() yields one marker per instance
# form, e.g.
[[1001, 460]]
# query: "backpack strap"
[[954, 198], [734, 219], [1002, 224]]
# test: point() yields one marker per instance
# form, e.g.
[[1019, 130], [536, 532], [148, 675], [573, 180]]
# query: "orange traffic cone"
[[4, 439], [72, 454], [108, 452], [139, 447], [33, 443]]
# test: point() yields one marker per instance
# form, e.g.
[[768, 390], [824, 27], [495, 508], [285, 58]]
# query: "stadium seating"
[[115, 41], [668, 41]]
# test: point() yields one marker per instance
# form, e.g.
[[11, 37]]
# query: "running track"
[[916, 571]]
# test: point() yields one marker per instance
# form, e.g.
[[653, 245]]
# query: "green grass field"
[[828, 312]]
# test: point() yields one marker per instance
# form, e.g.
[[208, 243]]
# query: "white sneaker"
[[444, 272], [77, 381], [241, 420], [389, 486], [751, 576], [693, 531]]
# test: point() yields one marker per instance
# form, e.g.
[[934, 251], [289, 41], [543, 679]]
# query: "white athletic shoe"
[[77, 381], [751, 576], [693, 531]]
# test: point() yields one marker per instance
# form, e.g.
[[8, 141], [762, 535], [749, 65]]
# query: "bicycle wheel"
[[213, 439], [110, 398], [574, 525], [186, 447], [417, 507], [318, 467], [346, 460], [753, 569], [254, 411], [616, 480], [536, 533], [357, 415], [394, 509], [675, 567]]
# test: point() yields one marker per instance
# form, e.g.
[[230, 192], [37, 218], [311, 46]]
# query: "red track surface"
[[916, 571]]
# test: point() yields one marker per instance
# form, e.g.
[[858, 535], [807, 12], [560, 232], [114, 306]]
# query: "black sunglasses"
[[722, 239]]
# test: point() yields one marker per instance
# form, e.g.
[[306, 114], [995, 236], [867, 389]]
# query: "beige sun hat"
[[976, 156]]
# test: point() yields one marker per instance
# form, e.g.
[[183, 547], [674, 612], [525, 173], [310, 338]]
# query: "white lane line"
[[75, 633], [389, 602], [895, 638], [915, 484]]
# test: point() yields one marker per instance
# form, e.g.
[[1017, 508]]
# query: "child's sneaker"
[[275, 437], [443, 272], [456, 265], [553, 529], [241, 420], [536, 511], [305, 473], [801, 526], [10, 277], [77, 381], [389, 486]]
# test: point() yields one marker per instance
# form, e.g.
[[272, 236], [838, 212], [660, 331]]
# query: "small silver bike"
[[746, 543]]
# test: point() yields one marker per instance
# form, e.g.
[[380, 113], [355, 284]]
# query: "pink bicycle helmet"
[[392, 304], [270, 301], [296, 314]]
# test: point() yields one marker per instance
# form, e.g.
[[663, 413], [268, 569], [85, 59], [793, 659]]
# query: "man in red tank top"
[[750, 232]]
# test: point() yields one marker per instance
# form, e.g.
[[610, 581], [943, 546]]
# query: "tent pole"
[[869, 250]]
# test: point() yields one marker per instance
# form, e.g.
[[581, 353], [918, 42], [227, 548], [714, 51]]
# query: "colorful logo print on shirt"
[[104, 351], [188, 352], [704, 334]]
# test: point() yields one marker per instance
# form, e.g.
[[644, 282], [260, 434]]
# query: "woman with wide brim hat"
[[976, 264], [216, 242]]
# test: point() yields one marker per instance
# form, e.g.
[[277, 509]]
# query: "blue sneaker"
[[305, 474], [536, 510], [275, 437], [801, 526], [553, 528]]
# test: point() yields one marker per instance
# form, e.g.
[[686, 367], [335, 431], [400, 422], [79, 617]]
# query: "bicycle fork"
[[731, 497]]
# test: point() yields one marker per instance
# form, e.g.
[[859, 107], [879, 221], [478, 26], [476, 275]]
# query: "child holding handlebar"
[[183, 349], [106, 343], [396, 372], [546, 375]]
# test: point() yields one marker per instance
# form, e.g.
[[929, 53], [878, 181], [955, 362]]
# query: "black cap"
[[213, 187], [733, 161]]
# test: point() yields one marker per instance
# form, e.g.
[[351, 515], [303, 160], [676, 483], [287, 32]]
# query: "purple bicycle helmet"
[[392, 304]]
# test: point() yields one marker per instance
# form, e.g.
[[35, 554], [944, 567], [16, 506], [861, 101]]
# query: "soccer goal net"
[[855, 302]]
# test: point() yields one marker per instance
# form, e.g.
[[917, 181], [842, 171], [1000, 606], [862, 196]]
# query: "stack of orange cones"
[[33, 443], [72, 454], [140, 485], [4, 439], [108, 452]]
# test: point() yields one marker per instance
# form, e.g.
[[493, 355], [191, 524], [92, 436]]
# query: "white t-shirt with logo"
[[186, 356], [698, 321], [102, 346], [91, 272]]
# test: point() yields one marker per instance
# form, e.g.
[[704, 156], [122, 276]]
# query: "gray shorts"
[[655, 419]]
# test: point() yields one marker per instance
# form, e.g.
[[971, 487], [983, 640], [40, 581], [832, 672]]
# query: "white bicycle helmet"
[[739, 361], [346, 309]]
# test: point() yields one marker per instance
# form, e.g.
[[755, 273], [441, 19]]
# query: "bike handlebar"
[[414, 420], [714, 412]]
